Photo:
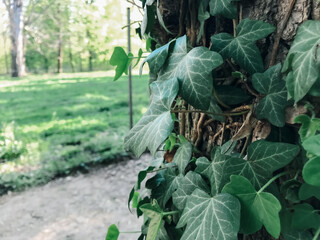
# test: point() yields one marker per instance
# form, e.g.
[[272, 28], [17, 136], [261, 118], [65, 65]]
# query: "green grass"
[[55, 124]]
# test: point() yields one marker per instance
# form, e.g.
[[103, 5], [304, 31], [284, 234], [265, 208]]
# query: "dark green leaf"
[[242, 48], [120, 59], [193, 70], [215, 111], [203, 15], [303, 61], [257, 208], [312, 144], [309, 126], [183, 156], [224, 8], [295, 235], [290, 189], [156, 124], [272, 106], [232, 95], [213, 218], [189, 183], [170, 184], [311, 172], [307, 191], [113, 233], [305, 217], [148, 19]]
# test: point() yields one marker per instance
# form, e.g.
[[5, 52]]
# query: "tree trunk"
[[5, 53], [90, 66], [15, 12], [60, 44], [71, 58]]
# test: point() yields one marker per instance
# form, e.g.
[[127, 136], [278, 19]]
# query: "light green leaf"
[[307, 191], [155, 213], [189, 183], [256, 207], [272, 106], [140, 52], [183, 156], [193, 70], [242, 48], [217, 171], [311, 172], [232, 95], [214, 108], [312, 144], [303, 60], [224, 8], [208, 217], [113, 233], [305, 217], [157, 58], [295, 235], [120, 59], [263, 159], [309, 126], [156, 124]]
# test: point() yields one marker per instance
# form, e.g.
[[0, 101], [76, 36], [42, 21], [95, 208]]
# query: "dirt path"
[[73, 208]]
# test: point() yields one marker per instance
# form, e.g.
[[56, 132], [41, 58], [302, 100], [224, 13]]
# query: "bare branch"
[[134, 4]]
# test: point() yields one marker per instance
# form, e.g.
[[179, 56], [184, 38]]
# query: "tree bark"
[[60, 44], [15, 12], [5, 53]]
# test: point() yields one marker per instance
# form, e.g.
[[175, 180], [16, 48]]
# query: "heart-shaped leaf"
[[272, 106], [307, 191], [193, 70], [312, 145], [242, 48], [189, 183], [311, 172], [208, 217], [303, 60], [156, 124], [309, 126], [224, 8], [183, 155], [257, 208], [305, 217]]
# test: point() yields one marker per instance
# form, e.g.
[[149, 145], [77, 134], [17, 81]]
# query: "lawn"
[[54, 125]]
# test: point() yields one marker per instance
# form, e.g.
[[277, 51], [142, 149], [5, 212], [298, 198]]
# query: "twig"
[[279, 33], [250, 90], [199, 128], [212, 113], [134, 4]]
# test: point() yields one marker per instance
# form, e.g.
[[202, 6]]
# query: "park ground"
[[57, 125]]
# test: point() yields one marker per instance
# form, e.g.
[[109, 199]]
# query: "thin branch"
[[134, 4], [212, 113]]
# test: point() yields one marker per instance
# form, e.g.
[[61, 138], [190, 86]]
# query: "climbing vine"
[[235, 143]]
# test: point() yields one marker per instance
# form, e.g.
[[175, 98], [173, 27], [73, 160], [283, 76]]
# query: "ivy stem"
[[131, 232], [317, 234], [218, 114], [130, 24], [163, 168], [273, 179], [219, 100], [170, 213], [245, 146]]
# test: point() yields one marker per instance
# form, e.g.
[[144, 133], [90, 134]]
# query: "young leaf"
[[183, 156], [113, 233], [307, 191], [311, 172], [305, 217], [156, 124], [232, 95], [242, 48], [189, 183], [225, 8], [312, 145], [309, 126], [155, 213], [257, 208], [120, 59], [302, 60], [193, 70], [208, 217], [272, 106], [140, 52]]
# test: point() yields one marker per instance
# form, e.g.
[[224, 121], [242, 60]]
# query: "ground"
[[74, 208]]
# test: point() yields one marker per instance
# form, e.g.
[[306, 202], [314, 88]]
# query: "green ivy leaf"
[[170, 184], [302, 60], [214, 108], [155, 213], [189, 183], [311, 172], [120, 59], [208, 217], [312, 145], [203, 15], [232, 95], [263, 159], [183, 156], [156, 124], [309, 126], [305, 217], [193, 70], [242, 48], [256, 207], [113, 233], [140, 52], [217, 171], [272, 106], [224, 8], [307, 191], [148, 19], [295, 235], [157, 58]]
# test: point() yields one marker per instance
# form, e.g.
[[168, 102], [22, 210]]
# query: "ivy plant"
[[214, 185]]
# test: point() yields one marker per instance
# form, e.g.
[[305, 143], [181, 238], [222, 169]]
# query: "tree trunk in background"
[[181, 17], [60, 44], [5, 53], [15, 12], [90, 66], [71, 58]]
